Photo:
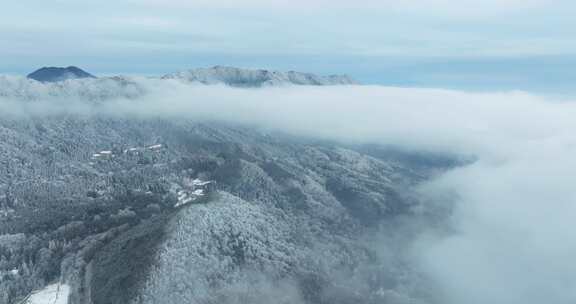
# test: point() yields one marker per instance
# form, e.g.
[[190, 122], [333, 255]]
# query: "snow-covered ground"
[[51, 294]]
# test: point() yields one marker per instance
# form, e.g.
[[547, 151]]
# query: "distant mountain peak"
[[55, 74], [239, 77]]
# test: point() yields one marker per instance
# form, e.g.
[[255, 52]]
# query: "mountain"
[[117, 209], [121, 210], [56, 74], [47, 83], [84, 89], [256, 78]]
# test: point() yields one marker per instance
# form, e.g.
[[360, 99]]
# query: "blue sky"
[[469, 44]]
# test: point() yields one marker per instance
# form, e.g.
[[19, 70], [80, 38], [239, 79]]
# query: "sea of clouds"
[[513, 238]]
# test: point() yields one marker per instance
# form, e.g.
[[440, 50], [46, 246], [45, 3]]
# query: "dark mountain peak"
[[55, 74]]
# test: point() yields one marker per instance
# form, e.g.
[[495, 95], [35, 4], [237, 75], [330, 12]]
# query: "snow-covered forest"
[[124, 209]]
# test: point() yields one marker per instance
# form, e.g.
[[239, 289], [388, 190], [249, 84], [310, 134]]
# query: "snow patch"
[[155, 147], [51, 294]]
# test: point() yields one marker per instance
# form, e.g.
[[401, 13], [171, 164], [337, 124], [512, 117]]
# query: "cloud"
[[490, 123], [407, 5], [513, 239]]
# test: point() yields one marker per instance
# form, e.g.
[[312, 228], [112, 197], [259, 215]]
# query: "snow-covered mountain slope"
[[279, 214], [124, 208], [86, 89], [256, 78]]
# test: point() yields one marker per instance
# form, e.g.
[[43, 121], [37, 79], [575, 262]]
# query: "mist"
[[512, 238]]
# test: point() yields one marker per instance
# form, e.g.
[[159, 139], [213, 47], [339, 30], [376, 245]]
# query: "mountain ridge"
[[234, 76], [227, 75], [91, 88]]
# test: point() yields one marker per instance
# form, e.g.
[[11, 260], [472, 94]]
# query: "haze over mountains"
[[108, 208], [157, 190], [181, 152]]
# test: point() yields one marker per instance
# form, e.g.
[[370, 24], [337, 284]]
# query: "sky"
[[467, 44]]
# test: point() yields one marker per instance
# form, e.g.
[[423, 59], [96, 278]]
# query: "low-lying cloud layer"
[[513, 239]]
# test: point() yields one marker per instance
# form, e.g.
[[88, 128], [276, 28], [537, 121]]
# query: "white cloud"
[[413, 5]]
